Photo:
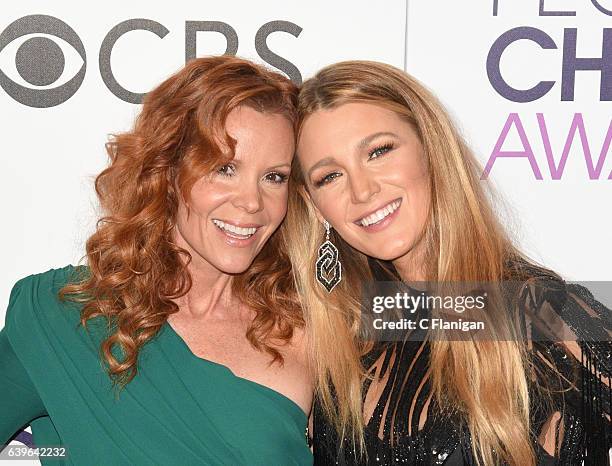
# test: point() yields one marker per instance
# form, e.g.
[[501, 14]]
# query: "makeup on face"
[[367, 175], [234, 210]]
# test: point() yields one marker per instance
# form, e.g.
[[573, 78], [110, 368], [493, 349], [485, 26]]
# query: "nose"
[[248, 197], [362, 185]]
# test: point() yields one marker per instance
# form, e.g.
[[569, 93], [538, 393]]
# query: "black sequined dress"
[[406, 425]]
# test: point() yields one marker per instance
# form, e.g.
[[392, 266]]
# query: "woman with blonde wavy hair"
[[180, 341], [384, 187]]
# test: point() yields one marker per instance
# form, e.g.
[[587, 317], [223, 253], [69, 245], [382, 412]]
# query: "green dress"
[[179, 409]]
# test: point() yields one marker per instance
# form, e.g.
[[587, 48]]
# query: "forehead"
[[348, 123], [258, 132]]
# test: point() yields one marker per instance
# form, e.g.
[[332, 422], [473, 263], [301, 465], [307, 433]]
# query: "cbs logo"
[[40, 61]]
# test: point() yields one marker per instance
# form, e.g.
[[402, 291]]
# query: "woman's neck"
[[411, 266], [210, 295]]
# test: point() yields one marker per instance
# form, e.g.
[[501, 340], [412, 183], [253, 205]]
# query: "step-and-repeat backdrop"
[[529, 83]]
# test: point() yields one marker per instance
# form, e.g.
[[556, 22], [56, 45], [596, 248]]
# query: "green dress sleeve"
[[20, 402]]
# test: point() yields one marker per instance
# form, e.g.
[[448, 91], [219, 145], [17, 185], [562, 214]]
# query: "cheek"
[[413, 178], [409, 169], [417, 215], [425, 200], [205, 197], [421, 198], [329, 205], [193, 217], [276, 205], [190, 223]]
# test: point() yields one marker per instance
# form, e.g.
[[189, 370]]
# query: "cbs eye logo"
[[34, 42], [41, 62]]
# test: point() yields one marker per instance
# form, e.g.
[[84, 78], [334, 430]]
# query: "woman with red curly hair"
[[180, 341]]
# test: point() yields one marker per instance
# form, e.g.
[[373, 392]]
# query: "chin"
[[231, 265], [386, 257], [233, 268], [387, 253]]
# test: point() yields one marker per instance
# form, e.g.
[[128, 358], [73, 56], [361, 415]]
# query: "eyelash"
[[330, 176], [326, 179], [221, 169], [282, 178], [385, 148]]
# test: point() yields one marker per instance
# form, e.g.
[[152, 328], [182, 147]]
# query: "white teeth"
[[380, 214], [246, 232]]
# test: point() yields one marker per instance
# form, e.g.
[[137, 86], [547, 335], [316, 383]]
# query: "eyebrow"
[[321, 163], [282, 165], [363, 143], [368, 139]]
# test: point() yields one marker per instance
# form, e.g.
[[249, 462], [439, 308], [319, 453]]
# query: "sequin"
[[393, 433]]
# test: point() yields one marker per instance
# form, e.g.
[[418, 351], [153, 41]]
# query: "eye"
[[276, 177], [327, 179], [226, 170], [380, 150], [39, 60]]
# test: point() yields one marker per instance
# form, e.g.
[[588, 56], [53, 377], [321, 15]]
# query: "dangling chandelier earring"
[[329, 268]]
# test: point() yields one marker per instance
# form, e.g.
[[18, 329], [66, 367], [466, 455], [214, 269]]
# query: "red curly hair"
[[134, 268]]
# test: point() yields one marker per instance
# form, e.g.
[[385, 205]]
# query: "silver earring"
[[329, 268]]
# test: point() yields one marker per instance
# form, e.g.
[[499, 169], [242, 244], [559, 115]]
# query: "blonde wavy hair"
[[135, 269], [464, 241]]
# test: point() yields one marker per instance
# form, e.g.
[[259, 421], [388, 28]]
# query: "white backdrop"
[[50, 155], [565, 223]]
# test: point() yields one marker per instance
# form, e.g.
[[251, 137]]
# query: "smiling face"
[[234, 211], [366, 174]]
